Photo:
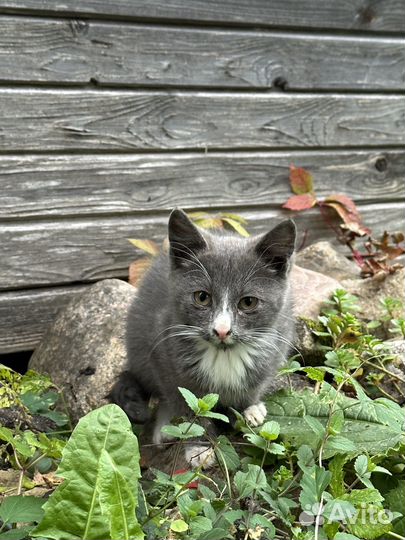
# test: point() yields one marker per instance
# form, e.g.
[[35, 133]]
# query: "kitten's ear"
[[184, 237], [277, 246]]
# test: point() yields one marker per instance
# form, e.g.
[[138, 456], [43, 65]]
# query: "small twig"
[[386, 371]]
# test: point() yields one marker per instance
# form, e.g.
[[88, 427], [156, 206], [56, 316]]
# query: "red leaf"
[[348, 212], [301, 180], [300, 202]]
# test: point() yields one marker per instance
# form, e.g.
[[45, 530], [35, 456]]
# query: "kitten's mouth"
[[228, 343]]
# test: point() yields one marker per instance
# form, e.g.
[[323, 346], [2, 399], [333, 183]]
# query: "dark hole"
[[17, 361], [280, 83], [94, 81], [381, 164], [89, 370]]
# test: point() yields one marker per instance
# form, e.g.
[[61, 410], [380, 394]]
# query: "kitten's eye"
[[248, 303], [202, 298]]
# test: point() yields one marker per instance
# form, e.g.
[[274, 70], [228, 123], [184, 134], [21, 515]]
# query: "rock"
[[322, 257], [372, 291], [310, 290], [394, 385], [84, 351]]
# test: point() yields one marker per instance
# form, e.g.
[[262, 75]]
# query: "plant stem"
[[386, 371]]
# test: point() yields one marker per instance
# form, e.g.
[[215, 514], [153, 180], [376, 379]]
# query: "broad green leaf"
[[363, 496], [116, 500], [199, 525], [339, 444], [17, 534], [247, 482], [314, 481], [178, 526], [225, 452], [74, 511], [18, 508], [345, 536], [316, 426], [190, 398], [373, 426]]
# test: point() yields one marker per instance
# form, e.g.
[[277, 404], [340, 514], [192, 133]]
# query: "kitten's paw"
[[199, 456], [255, 414]]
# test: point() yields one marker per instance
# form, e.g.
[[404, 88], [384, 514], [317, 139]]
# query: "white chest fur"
[[225, 368]]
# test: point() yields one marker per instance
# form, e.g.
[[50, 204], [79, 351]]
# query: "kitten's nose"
[[222, 332]]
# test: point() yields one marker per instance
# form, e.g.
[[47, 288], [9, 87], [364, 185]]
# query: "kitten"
[[213, 315]]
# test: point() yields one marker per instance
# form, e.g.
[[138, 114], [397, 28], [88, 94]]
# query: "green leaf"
[[374, 426], [339, 444], [215, 534], [315, 374], [17, 534], [178, 525], [305, 458], [270, 430], [345, 536], [190, 398], [315, 425], [117, 502], [210, 400], [217, 416], [336, 465], [18, 508], [74, 510], [247, 482], [394, 501], [185, 430], [199, 525], [337, 421], [361, 465], [226, 453]]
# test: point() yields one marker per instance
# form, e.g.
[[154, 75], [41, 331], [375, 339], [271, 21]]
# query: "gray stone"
[[310, 290], [83, 350], [371, 291], [322, 257]]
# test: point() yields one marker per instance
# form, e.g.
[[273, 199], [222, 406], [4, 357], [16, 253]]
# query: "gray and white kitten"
[[212, 315]]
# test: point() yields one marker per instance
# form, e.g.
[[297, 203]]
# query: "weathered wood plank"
[[38, 119], [25, 315], [51, 50], [64, 185], [67, 251], [388, 15]]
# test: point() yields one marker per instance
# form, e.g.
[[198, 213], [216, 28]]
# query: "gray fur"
[[168, 333]]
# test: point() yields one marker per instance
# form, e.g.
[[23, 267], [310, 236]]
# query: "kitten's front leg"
[[255, 414]]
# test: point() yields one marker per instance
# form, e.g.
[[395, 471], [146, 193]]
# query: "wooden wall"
[[113, 112]]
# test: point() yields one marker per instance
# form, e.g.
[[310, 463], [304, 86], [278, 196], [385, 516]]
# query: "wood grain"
[[72, 51], [387, 15], [43, 253], [37, 186], [25, 315], [93, 120]]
